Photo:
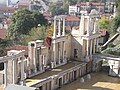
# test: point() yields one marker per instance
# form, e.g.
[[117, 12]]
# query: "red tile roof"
[[3, 33], [23, 2], [19, 47], [67, 28], [72, 18], [7, 9], [92, 3]]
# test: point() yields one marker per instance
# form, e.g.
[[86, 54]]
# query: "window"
[[75, 53]]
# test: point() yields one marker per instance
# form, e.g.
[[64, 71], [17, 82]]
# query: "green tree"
[[21, 23], [118, 6], [103, 23], [4, 43], [114, 24], [35, 34]]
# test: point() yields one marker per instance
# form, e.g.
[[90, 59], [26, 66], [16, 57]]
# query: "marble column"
[[97, 41], [94, 31], [34, 59], [40, 61], [91, 47], [44, 59], [5, 73], [63, 50], [22, 71], [59, 28], [54, 51], [87, 47], [88, 26], [59, 53], [54, 33], [94, 49], [14, 71], [28, 63], [52, 84], [63, 33]]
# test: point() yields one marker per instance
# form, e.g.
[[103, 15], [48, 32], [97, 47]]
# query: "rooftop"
[[7, 9], [23, 2], [3, 33], [92, 3], [72, 18]]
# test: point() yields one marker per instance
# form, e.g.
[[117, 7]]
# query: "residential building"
[[74, 9], [28, 4], [72, 21], [86, 6], [7, 11]]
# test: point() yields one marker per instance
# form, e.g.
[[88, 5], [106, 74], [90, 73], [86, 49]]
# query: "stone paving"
[[99, 81], [1, 87]]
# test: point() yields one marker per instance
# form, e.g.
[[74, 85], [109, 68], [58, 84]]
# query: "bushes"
[[111, 51]]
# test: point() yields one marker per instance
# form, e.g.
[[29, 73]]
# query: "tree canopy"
[[22, 21], [103, 23]]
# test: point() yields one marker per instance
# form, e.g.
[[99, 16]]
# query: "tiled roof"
[[67, 28], [24, 2], [92, 3], [107, 15], [3, 33], [19, 47], [72, 18], [7, 9]]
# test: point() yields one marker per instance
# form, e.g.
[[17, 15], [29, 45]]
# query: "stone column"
[[94, 49], [5, 73], [52, 84], [59, 28], [54, 33], [87, 47], [63, 50], [94, 31], [44, 60], [29, 69], [54, 51], [40, 59], [91, 47], [88, 26], [63, 33], [59, 52], [97, 41], [14, 71], [22, 71], [34, 59]]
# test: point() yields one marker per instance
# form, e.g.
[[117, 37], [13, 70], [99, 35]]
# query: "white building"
[[74, 9]]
